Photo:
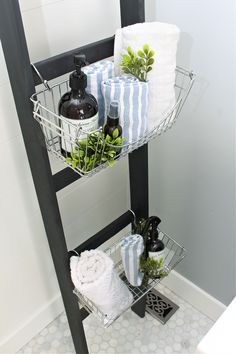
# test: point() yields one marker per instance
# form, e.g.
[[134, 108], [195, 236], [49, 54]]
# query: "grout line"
[[40, 6], [5, 82]]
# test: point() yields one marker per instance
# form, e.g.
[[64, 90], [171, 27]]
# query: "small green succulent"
[[152, 269], [95, 150], [138, 64]]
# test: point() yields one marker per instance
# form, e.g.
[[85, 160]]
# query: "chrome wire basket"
[[103, 154], [174, 253]]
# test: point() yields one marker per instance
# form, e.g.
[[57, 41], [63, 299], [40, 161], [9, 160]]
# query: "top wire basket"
[[93, 152]]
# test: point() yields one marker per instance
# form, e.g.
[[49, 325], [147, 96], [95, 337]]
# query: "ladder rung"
[[84, 313], [106, 233], [64, 178], [61, 64]]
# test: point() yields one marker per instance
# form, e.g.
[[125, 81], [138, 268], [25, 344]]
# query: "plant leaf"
[[146, 48], [141, 54], [115, 133], [151, 53], [111, 163], [130, 51], [150, 61], [108, 139]]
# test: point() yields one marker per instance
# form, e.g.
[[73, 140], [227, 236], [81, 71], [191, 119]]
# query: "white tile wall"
[[64, 25], [3, 69], [9, 125], [27, 5]]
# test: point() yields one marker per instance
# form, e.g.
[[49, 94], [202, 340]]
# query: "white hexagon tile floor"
[[130, 334]]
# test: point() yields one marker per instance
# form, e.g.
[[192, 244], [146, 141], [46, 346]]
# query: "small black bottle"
[[155, 247], [113, 120], [77, 107]]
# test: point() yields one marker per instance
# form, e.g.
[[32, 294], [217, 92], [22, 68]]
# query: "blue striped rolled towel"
[[131, 248], [133, 97], [96, 73]]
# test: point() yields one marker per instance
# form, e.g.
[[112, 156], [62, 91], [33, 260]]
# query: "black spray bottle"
[[77, 107], [113, 120], [155, 248]]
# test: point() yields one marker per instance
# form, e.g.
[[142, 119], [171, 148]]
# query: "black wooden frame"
[[23, 81]]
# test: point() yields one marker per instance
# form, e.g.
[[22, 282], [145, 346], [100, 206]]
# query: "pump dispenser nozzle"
[[78, 79], [79, 61]]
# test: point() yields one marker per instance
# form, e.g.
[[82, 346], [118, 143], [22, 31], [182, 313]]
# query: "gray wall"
[[192, 167]]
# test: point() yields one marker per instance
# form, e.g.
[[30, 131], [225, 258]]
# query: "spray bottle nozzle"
[[114, 109]]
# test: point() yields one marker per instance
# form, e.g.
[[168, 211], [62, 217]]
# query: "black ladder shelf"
[[23, 81]]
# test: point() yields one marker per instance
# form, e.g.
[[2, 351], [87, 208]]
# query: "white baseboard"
[[194, 295], [33, 326]]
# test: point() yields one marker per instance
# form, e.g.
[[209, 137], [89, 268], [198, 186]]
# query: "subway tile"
[[36, 34], [16, 181], [65, 25], [67, 30], [21, 255], [27, 5], [106, 188], [3, 68], [9, 125]]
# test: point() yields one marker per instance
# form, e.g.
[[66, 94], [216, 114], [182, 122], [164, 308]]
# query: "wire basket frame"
[[174, 253], [45, 112]]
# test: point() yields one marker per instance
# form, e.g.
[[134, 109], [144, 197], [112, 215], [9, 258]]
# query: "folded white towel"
[[94, 276], [133, 98], [131, 248], [96, 73], [163, 39]]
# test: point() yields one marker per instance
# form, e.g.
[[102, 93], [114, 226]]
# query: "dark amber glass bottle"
[[77, 108]]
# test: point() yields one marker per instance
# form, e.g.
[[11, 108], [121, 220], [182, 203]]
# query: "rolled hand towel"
[[131, 248], [94, 276], [96, 73], [133, 98], [163, 39]]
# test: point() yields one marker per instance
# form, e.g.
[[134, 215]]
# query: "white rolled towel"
[[94, 276], [163, 39]]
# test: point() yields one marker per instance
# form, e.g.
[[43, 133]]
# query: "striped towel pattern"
[[96, 73], [133, 97], [131, 249]]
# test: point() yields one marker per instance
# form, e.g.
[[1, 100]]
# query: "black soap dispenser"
[[77, 107]]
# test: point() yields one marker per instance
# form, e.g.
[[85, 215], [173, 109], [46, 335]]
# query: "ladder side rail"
[[64, 178], [20, 74], [133, 11]]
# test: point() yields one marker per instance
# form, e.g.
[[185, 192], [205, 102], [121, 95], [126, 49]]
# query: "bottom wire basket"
[[174, 253]]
